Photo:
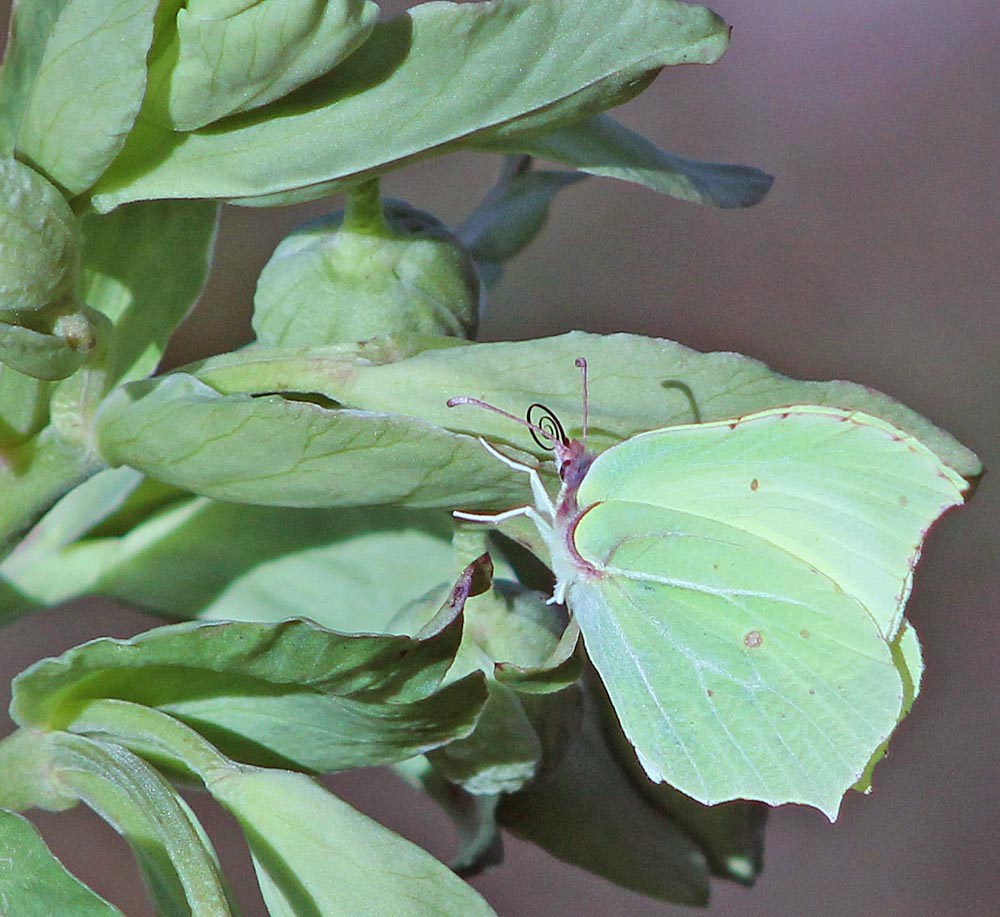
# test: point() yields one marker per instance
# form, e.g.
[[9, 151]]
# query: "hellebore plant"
[[731, 570]]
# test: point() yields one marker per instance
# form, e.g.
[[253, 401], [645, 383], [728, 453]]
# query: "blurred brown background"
[[874, 259]]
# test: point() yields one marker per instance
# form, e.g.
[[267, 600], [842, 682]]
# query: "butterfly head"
[[571, 457]]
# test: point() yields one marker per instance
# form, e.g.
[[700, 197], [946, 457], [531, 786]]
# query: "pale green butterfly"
[[740, 586]]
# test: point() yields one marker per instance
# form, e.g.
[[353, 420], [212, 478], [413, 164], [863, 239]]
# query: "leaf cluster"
[[289, 503]]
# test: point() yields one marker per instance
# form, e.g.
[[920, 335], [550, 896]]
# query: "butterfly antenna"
[[535, 428], [581, 364]]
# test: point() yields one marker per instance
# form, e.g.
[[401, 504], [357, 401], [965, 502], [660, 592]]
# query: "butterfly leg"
[[496, 518], [542, 499]]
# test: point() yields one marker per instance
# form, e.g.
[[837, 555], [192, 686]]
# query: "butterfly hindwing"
[[735, 668]]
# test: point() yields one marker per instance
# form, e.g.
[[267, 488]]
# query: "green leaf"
[[31, 22], [636, 384], [87, 90], [33, 883], [29, 778], [290, 693], [480, 844], [176, 858], [144, 267], [38, 354], [24, 406], [33, 476], [41, 571], [230, 571], [438, 77], [229, 57], [512, 214], [589, 813], [38, 235], [602, 146], [314, 854], [279, 451], [71, 518], [520, 734]]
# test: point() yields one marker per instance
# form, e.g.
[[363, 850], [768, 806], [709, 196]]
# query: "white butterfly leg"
[[496, 518], [542, 499]]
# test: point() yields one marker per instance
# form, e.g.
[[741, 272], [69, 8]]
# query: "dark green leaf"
[[589, 813], [602, 146], [480, 844], [512, 215]]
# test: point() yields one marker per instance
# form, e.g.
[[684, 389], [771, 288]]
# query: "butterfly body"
[[739, 586]]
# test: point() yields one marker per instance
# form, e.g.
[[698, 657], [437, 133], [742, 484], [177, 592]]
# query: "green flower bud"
[[337, 280], [39, 246]]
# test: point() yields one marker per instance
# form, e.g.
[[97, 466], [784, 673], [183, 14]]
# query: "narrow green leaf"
[[87, 90], [144, 267], [602, 146], [438, 77], [177, 861], [290, 693], [72, 517], [41, 570], [24, 406], [33, 883], [29, 776], [511, 215], [314, 854], [33, 476]]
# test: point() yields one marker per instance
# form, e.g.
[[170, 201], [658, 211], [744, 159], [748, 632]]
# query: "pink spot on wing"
[[754, 484], [752, 639]]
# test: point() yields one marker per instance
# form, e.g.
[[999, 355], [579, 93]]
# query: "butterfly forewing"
[[844, 492]]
